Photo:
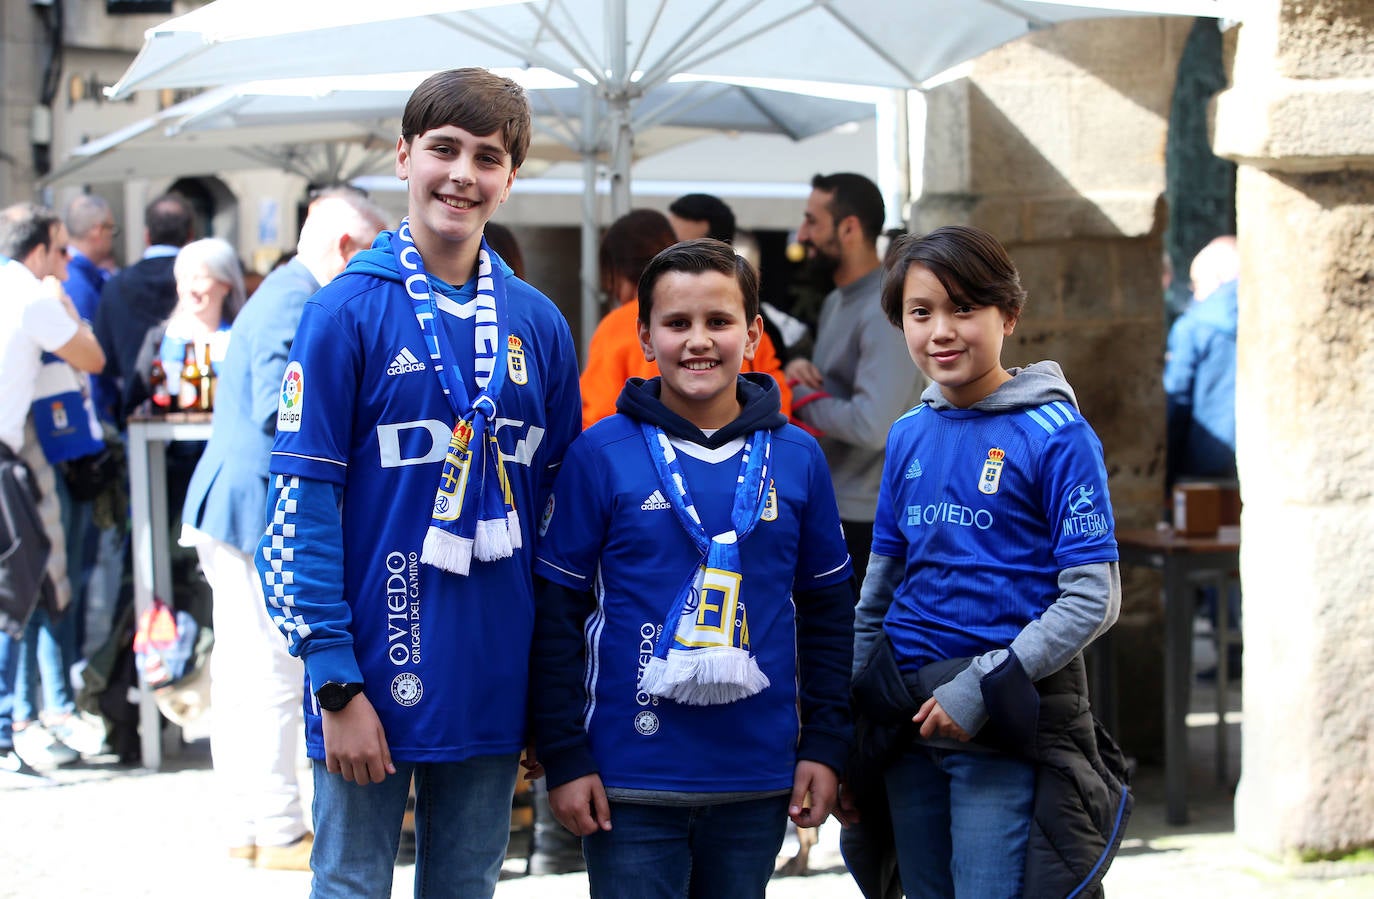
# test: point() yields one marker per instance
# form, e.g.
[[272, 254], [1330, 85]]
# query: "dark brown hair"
[[475, 100], [24, 227], [629, 243], [695, 257], [852, 194], [502, 240], [970, 264]]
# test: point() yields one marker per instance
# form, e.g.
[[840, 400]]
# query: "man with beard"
[[858, 380]]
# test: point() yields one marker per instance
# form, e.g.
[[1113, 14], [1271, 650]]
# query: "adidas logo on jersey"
[[655, 501], [913, 471], [404, 362]]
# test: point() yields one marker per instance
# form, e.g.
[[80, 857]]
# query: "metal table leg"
[[141, 545], [1178, 659]]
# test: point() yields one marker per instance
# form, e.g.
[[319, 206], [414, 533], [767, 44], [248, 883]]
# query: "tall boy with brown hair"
[[428, 399]]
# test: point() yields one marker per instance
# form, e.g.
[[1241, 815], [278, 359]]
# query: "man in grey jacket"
[[861, 378]]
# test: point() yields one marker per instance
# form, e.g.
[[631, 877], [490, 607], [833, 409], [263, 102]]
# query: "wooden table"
[[148, 437], [1181, 560]]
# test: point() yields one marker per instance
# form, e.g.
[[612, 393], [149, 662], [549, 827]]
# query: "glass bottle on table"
[[161, 396], [188, 394], [206, 378]]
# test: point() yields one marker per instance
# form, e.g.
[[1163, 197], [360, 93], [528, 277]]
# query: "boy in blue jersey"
[[693, 637], [994, 564], [429, 397]]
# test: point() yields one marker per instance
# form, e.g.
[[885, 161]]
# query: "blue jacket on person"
[[228, 491], [1200, 383], [84, 282]]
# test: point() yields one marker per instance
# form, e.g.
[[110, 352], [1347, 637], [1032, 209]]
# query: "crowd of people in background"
[[424, 553]]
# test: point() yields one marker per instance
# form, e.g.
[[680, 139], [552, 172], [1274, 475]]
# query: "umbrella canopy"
[[619, 48], [616, 42], [334, 129]]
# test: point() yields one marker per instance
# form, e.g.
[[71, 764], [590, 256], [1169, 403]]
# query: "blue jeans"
[[462, 826], [962, 821], [675, 852], [50, 645], [9, 662], [43, 660]]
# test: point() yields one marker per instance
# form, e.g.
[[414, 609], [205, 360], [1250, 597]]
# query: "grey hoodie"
[[1089, 595]]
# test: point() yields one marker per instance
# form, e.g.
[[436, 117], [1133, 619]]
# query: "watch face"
[[334, 696]]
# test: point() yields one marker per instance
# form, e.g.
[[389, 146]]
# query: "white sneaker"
[[14, 771], [37, 746], [81, 731]]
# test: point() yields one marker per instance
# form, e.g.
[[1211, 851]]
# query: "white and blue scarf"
[[474, 509], [702, 656]]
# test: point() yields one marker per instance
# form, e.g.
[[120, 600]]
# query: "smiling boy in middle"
[[694, 608]]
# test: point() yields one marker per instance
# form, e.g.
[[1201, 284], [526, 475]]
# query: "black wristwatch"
[[334, 696]]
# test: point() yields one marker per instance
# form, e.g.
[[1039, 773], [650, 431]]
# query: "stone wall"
[[20, 34], [1055, 144], [1298, 121]]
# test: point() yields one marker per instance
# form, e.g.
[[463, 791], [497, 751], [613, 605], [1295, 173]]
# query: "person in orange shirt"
[[615, 354]]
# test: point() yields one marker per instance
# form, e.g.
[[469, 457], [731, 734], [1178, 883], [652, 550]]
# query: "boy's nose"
[[461, 171], [698, 337]]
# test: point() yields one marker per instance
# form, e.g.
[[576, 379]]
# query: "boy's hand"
[[581, 805], [804, 372], [846, 812], [934, 720], [355, 744], [530, 762], [823, 785]]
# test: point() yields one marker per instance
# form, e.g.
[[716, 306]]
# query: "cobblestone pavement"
[[101, 831]]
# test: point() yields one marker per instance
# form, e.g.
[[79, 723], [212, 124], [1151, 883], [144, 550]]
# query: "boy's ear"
[[402, 158], [755, 334], [510, 180], [644, 343], [1009, 323]]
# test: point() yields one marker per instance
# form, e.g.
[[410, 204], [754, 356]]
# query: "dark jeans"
[[677, 852]]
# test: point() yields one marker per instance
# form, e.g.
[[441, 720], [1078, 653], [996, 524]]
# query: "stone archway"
[[215, 207]]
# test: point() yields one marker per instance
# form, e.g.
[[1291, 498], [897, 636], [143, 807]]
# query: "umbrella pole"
[[589, 279], [591, 284]]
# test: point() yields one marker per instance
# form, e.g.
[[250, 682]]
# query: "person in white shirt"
[[35, 317]]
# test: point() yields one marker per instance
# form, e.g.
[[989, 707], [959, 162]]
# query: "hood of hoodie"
[[1220, 310], [1035, 385], [759, 397], [379, 261]]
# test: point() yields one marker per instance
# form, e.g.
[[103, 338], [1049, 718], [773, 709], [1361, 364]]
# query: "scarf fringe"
[[447, 551], [714, 676], [494, 539]]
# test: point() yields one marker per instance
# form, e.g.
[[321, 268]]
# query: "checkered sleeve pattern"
[[278, 577]]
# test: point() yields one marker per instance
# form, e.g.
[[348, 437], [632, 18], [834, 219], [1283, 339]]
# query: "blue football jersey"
[[986, 508], [444, 658], [611, 530]]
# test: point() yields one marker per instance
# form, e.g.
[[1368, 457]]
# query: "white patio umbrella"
[[335, 128], [620, 48]]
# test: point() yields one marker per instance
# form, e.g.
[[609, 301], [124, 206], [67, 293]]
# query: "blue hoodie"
[[611, 556], [1200, 382], [361, 432]]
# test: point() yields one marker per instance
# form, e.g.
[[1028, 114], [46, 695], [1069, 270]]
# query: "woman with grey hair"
[[210, 293]]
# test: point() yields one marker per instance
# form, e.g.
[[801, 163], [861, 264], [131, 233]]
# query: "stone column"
[[20, 56], [1298, 120], [1055, 144]]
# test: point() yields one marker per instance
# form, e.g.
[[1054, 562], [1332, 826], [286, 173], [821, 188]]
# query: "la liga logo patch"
[[292, 401]]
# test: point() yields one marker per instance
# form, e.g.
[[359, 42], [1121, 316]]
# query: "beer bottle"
[[157, 386], [188, 394], [206, 377]]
